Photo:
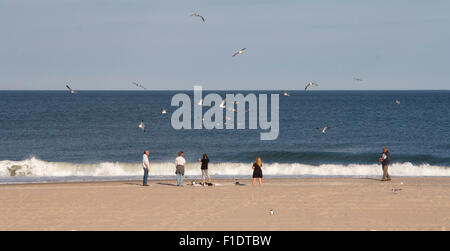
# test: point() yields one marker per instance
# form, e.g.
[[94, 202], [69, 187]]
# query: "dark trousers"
[[385, 172], [145, 176]]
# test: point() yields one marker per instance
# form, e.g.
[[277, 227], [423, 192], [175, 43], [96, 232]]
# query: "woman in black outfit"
[[257, 171], [204, 162]]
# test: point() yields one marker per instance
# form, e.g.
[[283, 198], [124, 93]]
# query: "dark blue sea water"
[[55, 133]]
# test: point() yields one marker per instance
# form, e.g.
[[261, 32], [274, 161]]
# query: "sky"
[[107, 44]]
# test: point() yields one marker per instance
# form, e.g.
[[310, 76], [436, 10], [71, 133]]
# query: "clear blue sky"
[[107, 44]]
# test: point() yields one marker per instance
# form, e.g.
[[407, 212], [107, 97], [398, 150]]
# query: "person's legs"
[[385, 169], [260, 181], [384, 172], [145, 180], [203, 176], [253, 181], [181, 179], [178, 179], [209, 177]]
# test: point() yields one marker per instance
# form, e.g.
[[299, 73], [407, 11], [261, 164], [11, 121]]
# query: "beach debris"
[[401, 183], [142, 125], [241, 51], [139, 85], [198, 15], [323, 130], [71, 90], [310, 84], [271, 212], [395, 190], [237, 183]]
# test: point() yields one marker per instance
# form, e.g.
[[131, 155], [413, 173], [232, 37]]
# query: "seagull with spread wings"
[[71, 90], [310, 84], [198, 15], [139, 85], [239, 52]]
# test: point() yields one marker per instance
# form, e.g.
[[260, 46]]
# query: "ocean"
[[54, 136]]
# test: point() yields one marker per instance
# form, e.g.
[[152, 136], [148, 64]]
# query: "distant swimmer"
[[71, 90], [397, 101], [310, 84], [241, 51], [139, 85], [323, 130], [142, 125], [198, 15]]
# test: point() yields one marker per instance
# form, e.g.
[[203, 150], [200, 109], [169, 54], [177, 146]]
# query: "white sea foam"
[[34, 167]]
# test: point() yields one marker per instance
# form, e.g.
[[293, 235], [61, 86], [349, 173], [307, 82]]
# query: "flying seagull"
[[287, 94], [310, 84], [163, 111], [357, 79], [397, 101], [200, 102], [71, 90], [198, 15], [323, 130], [222, 105], [139, 85], [142, 125], [239, 52]]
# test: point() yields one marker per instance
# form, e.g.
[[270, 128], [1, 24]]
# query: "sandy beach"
[[299, 204]]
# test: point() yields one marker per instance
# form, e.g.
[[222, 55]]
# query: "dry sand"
[[299, 204]]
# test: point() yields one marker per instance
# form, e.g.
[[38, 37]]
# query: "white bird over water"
[[239, 52], [287, 94], [71, 90], [198, 15], [163, 111], [357, 79], [397, 101], [142, 125], [200, 102], [323, 130], [222, 105], [310, 84], [139, 85]]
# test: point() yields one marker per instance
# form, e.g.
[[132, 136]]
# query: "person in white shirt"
[[145, 165], [180, 165]]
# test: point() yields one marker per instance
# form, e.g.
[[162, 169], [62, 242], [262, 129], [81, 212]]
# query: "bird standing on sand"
[[142, 125], [323, 130], [139, 85], [198, 15], [239, 52], [271, 212], [71, 90], [310, 84]]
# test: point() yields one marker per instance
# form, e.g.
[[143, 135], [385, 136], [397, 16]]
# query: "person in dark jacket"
[[204, 167], [385, 159]]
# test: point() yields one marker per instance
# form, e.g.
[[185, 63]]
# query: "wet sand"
[[299, 204]]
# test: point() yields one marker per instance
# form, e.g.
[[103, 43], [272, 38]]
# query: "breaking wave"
[[34, 167]]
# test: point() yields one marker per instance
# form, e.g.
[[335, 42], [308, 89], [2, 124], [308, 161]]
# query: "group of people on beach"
[[180, 166]]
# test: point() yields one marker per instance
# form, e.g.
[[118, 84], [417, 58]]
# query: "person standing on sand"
[[180, 165], [145, 165], [385, 159], [257, 171], [204, 162]]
